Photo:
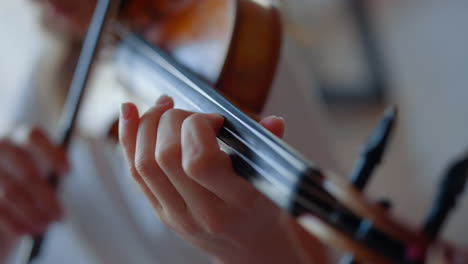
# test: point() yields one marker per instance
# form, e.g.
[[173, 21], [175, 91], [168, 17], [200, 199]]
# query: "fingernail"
[[164, 100], [279, 118], [126, 111], [270, 119]]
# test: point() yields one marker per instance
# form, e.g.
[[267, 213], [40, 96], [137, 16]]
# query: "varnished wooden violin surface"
[[234, 45]]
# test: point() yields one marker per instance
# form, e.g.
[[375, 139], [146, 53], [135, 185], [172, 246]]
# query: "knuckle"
[[167, 153], [144, 166], [214, 224], [183, 225], [158, 209], [172, 114], [194, 119], [197, 165], [163, 218], [186, 228]]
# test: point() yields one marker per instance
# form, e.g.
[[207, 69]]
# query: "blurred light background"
[[424, 51]]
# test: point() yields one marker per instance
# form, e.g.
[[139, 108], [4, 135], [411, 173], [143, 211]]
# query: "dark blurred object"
[[373, 152], [451, 187], [371, 156], [375, 88]]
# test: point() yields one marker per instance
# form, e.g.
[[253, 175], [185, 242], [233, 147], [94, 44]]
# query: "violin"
[[233, 45], [220, 56]]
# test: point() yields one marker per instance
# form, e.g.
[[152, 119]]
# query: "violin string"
[[286, 183]]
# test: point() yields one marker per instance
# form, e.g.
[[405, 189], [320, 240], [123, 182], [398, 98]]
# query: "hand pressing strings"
[[175, 158], [27, 203]]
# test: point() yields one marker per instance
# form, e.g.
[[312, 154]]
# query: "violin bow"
[[102, 14]]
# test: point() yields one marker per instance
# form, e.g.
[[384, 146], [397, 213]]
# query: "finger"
[[201, 202], [128, 129], [274, 124], [19, 162], [205, 163], [145, 162], [20, 204], [10, 224], [54, 157]]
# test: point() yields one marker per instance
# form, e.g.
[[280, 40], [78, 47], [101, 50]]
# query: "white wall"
[[426, 47]]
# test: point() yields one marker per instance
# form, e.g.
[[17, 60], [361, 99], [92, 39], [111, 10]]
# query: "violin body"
[[232, 44]]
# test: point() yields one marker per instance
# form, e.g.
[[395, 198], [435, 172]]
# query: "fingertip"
[[128, 122], [274, 124], [165, 100], [127, 111]]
